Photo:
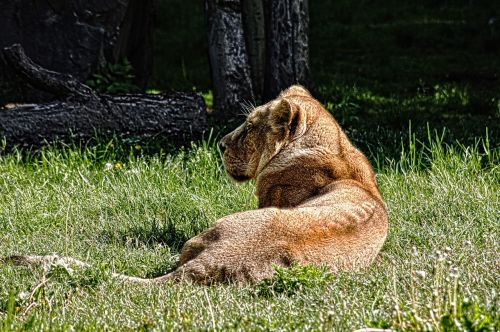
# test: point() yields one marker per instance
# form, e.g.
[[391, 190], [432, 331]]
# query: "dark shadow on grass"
[[150, 234]]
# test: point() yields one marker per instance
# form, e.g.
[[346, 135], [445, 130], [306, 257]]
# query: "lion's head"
[[266, 130]]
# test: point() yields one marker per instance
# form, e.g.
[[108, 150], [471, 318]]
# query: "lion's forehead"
[[259, 114]]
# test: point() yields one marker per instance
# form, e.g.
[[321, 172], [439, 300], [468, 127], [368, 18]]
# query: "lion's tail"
[[47, 260]]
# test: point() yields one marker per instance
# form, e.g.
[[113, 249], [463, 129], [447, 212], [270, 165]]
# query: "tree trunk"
[[255, 36], [287, 51], [135, 40], [232, 84], [175, 117], [67, 36], [75, 37], [257, 49]]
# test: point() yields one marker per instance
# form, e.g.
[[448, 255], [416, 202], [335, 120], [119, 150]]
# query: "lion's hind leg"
[[344, 236]]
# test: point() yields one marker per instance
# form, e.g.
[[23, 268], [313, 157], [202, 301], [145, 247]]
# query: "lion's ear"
[[286, 118], [295, 90]]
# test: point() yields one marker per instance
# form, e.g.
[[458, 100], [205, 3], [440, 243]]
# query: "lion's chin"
[[239, 177]]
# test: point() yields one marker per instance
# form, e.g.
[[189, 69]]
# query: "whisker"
[[246, 108]]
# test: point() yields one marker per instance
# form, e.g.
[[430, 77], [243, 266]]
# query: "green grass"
[[384, 71], [131, 213]]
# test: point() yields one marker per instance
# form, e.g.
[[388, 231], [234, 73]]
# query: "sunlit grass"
[[437, 270]]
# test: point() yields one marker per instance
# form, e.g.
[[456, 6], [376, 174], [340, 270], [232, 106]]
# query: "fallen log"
[[81, 113]]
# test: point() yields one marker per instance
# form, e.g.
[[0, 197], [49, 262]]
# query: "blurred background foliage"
[[386, 46], [376, 65], [381, 67]]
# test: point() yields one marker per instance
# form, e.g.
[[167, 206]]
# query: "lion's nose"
[[222, 146], [223, 142]]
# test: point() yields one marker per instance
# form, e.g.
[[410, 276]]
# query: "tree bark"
[[287, 49], [69, 36], [75, 37], [175, 117], [231, 80], [255, 37], [257, 49], [135, 41]]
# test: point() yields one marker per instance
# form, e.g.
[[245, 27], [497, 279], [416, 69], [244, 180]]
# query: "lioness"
[[318, 200]]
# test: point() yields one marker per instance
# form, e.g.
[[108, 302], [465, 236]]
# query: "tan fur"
[[318, 199]]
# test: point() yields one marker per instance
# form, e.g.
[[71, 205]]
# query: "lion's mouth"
[[239, 178], [235, 167]]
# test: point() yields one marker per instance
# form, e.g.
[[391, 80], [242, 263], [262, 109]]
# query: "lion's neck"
[[360, 170], [288, 183]]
